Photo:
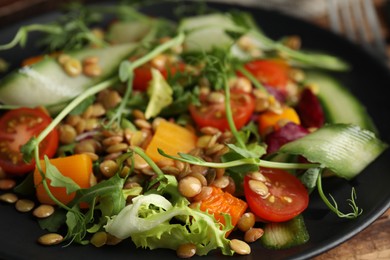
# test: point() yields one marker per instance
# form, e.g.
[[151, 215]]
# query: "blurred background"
[[360, 20]]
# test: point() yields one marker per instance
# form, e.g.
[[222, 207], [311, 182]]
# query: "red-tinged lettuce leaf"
[[283, 135], [309, 110]]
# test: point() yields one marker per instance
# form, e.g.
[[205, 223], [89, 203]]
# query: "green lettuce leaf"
[[148, 221]]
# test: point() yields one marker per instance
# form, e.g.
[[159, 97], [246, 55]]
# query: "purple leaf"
[[309, 110], [283, 135]]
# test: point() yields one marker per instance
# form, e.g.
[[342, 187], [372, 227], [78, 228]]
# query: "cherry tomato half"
[[16, 129], [286, 199], [143, 74], [273, 73], [214, 113]]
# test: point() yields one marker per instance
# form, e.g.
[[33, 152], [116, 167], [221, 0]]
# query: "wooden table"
[[372, 243]]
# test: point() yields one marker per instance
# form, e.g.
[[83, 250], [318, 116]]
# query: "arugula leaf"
[[54, 222], [252, 150]]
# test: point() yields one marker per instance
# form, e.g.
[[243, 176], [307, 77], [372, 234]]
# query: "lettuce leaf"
[[149, 222]]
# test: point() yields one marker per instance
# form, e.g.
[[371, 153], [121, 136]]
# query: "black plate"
[[368, 80]]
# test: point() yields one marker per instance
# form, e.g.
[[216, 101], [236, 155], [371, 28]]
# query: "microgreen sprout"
[[356, 211]]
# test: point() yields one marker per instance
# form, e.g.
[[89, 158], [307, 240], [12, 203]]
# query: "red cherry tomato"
[[16, 129], [272, 73], [214, 114], [143, 74], [286, 199]]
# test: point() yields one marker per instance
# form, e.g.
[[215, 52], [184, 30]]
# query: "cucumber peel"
[[339, 105], [284, 235], [344, 149], [47, 84]]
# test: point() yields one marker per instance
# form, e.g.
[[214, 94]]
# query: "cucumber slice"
[[344, 149], [285, 234], [126, 32], [207, 31], [339, 105], [47, 84]]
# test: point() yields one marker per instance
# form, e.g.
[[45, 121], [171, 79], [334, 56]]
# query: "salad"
[[197, 135]]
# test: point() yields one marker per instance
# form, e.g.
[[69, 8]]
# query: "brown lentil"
[[189, 186], [186, 250], [116, 148], [8, 198], [72, 67], [72, 119], [138, 114], [90, 60], [293, 42], [84, 146], [7, 184], [246, 222], [171, 170], [67, 134], [156, 122], [109, 99], [221, 182], [231, 188], [99, 239], [43, 211], [200, 177], [139, 162], [241, 84], [108, 168], [92, 70], [24, 205], [209, 130], [142, 123], [91, 123], [98, 110], [204, 193], [198, 169], [62, 58], [216, 97], [87, 113], [80, 126], [50, 239], [240, 247], [94, 157], [138, 138], [112, 240], [253, 234], [116, 139], [214, 149]]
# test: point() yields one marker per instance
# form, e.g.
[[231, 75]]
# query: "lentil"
[[7, 184], [24, 205], [72, 67], [112, 240], [253, 234], [92, 70], [99, 239], [8, 198], [246, 222], [43, 211], [240, 247], [221, 182], [50, 239], [67, 134], [186, 250], [108, 168], [204, 193], [189, 186]]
